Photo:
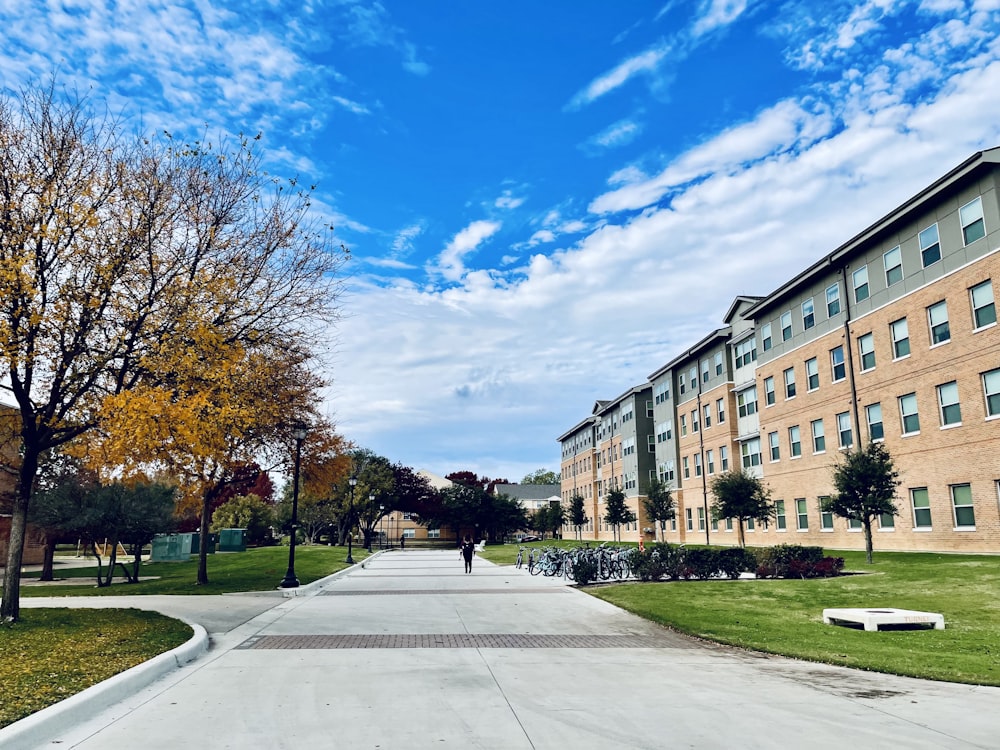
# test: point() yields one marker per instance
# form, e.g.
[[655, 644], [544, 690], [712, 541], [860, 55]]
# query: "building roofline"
[[898, 215], [718, 333], [577, 427]]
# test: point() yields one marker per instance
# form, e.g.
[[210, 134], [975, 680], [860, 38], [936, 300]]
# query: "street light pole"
[[371, 514], [353, 481], [290, 581], [381, 526]]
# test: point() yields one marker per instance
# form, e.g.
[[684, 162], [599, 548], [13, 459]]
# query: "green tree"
[[467, 508], [541, 476], [741, 495], [616, 512], [577, 513], [549, 518], [866, 482], [659, 504], [248, 512]]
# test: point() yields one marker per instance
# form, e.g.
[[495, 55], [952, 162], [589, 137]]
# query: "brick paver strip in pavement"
[[452, 640], [448, 592]]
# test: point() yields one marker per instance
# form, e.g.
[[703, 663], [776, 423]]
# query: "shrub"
[[796, 561], [584, 571], [702, 562], [736, 560]]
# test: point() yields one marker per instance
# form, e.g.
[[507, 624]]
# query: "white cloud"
[[402, 243], [644, 62], [618, 134], [508, 201], [450, 263], [718, 13], [355, 107]]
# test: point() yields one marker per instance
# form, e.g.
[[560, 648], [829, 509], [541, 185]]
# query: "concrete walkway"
[[410, 652]]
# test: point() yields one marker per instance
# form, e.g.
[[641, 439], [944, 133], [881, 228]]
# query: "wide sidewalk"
[[407, 651]]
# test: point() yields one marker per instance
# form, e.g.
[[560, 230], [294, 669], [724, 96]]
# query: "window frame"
[[919, 511], [774, 448], [845, 430], [836, 366], [967, 225], [969, 507], [818, 438], [899, 343], [950, 412], [941, 327], [905, 415], [766, 341], [812, 374], [833, 300], [786, 325], [881, 425], [862, 291], [866, 351], [770, 397], [794, 441], [930, 245], [989, 308], [894, 272], [801, 514], [808, 308], [991, 398], [789, 383], [825, 516]]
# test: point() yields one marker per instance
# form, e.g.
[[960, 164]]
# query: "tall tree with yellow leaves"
[[116, 253]]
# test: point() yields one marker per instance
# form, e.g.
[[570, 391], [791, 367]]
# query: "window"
[[687, 467], [808, 314], [433, 533], [701, 519], [750, 453], [410, 533], [790, 383], [779, 514], [801, 513], [961, 500], [769, 391], [825, 516], [772, 440], [873, 414], [681, 387], [818, 435], [837, 363], [707, 412], [887, 521], [860, 278], [693, 377], [765, 336], [951, 410], [661, 393], [900, 338], [684, 425], [667, 471], [833, 300], [689, 517], [937, 317], [649, 409], [724, 458], [694, 420], [746, 402], [984, 312], [908, 413], [664, 431], [921, 508], [893, 263], [794, 441], [710, 461], [812, 374], [844, 437], [786, 326], [746, 352], [697, 464], [720, 409], [971, 216], [866, 348], [651, 443], [991, 389], [718, 363], [930, 248]]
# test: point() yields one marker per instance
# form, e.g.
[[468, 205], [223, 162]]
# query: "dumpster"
[[232, 540], [196, 543]]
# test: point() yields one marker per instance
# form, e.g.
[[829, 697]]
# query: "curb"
[[42, 726]]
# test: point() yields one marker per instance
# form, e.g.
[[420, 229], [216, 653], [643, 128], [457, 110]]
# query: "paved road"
[[410, 652]]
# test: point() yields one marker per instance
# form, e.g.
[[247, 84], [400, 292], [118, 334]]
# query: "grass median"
[[51, 654], [786, 616]]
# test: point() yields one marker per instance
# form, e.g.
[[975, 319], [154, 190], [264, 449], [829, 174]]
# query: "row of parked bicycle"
[[603, 563]]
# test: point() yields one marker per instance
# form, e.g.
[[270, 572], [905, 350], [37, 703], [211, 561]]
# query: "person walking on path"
[[402, 541], [468, 550]]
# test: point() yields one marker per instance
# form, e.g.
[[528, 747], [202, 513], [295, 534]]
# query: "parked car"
[[529, 538]]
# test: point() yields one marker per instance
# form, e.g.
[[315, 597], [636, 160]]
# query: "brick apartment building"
[[892, 336]]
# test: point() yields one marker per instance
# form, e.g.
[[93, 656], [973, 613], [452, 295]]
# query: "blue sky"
[[545, 201]]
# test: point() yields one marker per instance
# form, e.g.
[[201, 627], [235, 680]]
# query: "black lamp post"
[[290, 581], [353, 481], [371, 515], [381, 526]]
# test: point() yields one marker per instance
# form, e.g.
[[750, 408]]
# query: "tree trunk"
[[743, 541], [10, 607], [868, 539], [48, 561], [100, 567], [206, 504]]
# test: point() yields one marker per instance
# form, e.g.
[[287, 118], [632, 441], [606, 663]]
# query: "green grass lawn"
[[785, 616], [259, 569], [51, 654]]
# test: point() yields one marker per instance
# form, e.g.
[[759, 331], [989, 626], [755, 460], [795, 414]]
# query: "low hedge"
[[664, 561]]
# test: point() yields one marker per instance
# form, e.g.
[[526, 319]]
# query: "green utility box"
[[170, 548], [196, 543], [232, 540]]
